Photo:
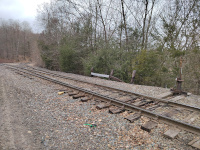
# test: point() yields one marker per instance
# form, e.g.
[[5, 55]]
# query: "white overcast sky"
[[22, 10]]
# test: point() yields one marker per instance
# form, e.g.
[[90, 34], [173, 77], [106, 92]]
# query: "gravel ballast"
[[34, 116]]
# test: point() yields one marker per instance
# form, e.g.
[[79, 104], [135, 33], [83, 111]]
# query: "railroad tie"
[[142, 102], [154, 106], [192, 117], [195, 143], [85, 99], [133, 117], [172, 133], [116, 110], [125, 98], [73, 93], [171, 113], [103, 105], [148, 126], [79, 96]]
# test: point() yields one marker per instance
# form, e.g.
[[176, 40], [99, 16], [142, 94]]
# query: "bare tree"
[[102, 21], [124, 19], [15, 39]]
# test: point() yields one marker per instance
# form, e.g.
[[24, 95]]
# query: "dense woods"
[[15, 39], [18, 42], [149, 36]]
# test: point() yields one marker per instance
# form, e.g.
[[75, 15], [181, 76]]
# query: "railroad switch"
[[179, 81]]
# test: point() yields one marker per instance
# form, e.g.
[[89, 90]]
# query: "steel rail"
[[158, 117], [128, 92]]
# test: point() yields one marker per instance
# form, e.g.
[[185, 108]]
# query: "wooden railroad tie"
[[103, 105], [133, 117], [195, 143], [79, 96], [116, 110], [172, 133], [85, 99], [148, 126], [73, 93]]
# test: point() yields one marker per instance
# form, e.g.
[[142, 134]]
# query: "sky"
[[22, 10]]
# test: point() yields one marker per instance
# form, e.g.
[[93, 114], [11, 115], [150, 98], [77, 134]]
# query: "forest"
[[149, 36]]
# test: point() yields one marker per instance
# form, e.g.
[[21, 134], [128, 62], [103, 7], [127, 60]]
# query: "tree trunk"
[[102, 20], [149, 24], [124, 18], [144, 23]]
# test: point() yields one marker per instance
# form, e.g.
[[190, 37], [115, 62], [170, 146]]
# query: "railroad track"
[[123, 100], [112, 89]]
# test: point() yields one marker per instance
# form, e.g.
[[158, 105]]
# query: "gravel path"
[[34, 116]]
